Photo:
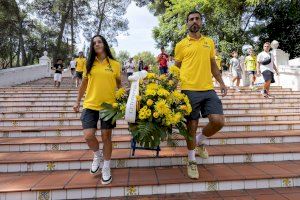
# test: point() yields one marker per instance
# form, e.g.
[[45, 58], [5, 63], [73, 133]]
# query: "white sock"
[[191, 155], [106, 164], [200, 138], [98, 153]]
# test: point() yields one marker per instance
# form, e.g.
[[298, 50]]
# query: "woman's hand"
[[76, 107]]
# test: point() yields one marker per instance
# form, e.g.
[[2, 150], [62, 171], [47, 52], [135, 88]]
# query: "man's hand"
[[223, 90], [76, 107], [258, 72]]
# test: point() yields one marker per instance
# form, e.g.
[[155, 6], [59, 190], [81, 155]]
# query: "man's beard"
[[194, 28]]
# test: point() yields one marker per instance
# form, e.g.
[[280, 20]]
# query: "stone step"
[[64, 143], [169, 156], [73, 98], [51, 101], [42, 131], [69, 107], [74, 119], [79, 184], [69, 113]]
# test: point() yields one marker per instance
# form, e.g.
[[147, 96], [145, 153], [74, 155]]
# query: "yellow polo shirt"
[[195, 57], [80, 64], [102, 83], [250, 63], [218, 61]]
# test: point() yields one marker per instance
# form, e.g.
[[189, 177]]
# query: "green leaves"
[[110, 113]]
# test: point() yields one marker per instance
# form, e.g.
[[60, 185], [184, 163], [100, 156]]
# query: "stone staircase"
[[43, 154]]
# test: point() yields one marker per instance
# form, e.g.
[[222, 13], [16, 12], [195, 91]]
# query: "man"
[[130, 67], [236, 70], [162, 59], [195, 55], [250, 64], [58, 67], [72, 67], [266, 66], [80, 65], [141, 64]]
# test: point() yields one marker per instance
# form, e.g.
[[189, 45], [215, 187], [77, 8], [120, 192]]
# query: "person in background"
[[162, 60], [80, 65], [130, 67], [73, 67], [250, 66], [266, 66], [236, 70], [58, 67], [171, 61], [141, 65], [218, 60]]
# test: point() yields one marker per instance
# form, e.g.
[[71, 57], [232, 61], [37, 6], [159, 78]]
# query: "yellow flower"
[[149, 102], [155, 115], [170, 83], [161, 107], [162, 77], [120, 93], [138, 98], [183, 107], [175, 71], [151, 75], [115, 105], [152, 86], [144, 113], [163, 92], [150, 92], [123, 107]]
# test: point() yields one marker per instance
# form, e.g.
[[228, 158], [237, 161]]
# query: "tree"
[[282, 25], [147, 57], [123, 57]]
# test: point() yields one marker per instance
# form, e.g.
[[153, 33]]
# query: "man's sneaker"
[[95, 169], [106, 176], [192, 170], [202, 152]]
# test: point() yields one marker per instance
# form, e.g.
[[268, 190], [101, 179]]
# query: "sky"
[[139, 36]]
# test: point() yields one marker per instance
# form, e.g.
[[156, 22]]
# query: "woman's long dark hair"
[[92, 54]]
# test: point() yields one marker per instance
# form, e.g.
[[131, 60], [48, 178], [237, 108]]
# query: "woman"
[[101, 77], [236, 70]]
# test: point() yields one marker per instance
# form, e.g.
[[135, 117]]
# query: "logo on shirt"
[[109, 68]]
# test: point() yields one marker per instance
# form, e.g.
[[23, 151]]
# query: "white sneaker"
[[106, 176], [95, 169]]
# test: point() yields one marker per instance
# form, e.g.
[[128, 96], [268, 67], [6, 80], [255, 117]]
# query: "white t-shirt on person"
[[72, 64], [130, 67], [261, 57]]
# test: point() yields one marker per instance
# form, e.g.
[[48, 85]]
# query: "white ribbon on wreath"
[[130, 113]]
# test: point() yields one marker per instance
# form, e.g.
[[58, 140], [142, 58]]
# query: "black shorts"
[[251, 72], [268, 76], [206, 102], [89, 119], [78, 74]]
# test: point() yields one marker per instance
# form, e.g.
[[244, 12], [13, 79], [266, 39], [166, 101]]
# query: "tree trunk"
[[72, 28], [101, 15], [10, 53], [64, 16]]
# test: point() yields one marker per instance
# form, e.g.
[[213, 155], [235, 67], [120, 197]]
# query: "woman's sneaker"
[[95, 169], [202, 151], [106, 176], [192, 170]]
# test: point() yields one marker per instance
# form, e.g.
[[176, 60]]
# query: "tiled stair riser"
[[147, 162], [132, 190], [119, 145]]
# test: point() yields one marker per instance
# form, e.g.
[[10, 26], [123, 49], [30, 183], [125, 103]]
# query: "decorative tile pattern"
[[14, 123], [222, 141], [44, 195], [287, 182], [131, 191], [58, 133], [55, 147], [272, 140], [50, 166], [248, 158], [212, 186], [120, 163]]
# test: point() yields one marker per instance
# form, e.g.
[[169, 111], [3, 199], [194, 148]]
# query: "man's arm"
[[216, 73]]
